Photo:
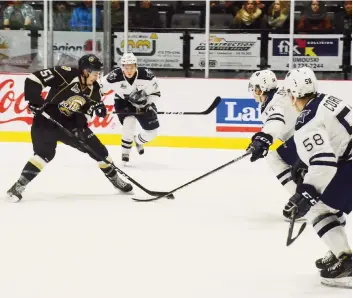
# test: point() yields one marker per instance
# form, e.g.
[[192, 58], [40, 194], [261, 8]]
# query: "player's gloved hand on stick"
[[260, 143], [299, 170], [35, 109], [305, 197], [150, 108], [98, 108]]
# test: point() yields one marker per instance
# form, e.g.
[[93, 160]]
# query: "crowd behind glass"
[[321, 17]]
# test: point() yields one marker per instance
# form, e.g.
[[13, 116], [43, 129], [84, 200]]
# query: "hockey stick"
[[89, 149], [206, 112], [290, 240], [196, 179]]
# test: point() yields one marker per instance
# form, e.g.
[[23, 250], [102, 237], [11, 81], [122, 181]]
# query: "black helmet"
[[90, 62]]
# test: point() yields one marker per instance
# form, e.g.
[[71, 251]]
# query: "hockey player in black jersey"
[[74, 93], [136, 91]]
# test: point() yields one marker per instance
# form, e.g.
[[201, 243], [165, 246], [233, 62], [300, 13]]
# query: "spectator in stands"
[[248, 17], [278, 15], [145, 15], [81, 19], [315, 18], [343, 20], [18, 15], [117, 15], [228, 7], [61, 16]]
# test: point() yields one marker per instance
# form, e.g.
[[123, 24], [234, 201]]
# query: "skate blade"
[[12, 198], [343, 282]]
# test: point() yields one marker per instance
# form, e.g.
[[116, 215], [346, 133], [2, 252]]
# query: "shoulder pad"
[[116, 75], [145, 73], [309, 111]]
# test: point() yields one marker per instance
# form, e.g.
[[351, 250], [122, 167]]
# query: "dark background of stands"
[[189, 17]]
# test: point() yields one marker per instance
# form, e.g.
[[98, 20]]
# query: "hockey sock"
[[107, 169], [32, 168], [282, 171], [330, 230], [126, 146], [145, 136]]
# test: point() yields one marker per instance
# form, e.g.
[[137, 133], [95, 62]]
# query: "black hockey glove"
[[150, 108], [260, 143], [35, 109], [99, 109], [298, 171], [301, 202]]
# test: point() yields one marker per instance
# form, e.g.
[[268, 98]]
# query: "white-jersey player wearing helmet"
[[279, 121], [136, 91], [323, 139]]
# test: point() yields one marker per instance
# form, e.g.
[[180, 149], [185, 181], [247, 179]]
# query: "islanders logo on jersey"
[[238, 115]]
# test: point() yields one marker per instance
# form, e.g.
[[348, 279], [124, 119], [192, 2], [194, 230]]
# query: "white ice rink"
[[74, 236]]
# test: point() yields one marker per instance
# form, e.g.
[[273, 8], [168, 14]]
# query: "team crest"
[[112, 76], [303, 114], [91, 59], [149, 73], [71, 105]]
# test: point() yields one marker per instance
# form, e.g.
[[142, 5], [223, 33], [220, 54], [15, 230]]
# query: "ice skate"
[[340, 274]]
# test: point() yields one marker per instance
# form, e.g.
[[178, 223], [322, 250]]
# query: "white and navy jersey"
[[323, 137], [122, 87], [278, 115]]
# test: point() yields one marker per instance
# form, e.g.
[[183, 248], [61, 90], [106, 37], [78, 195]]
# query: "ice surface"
[[74, 236]]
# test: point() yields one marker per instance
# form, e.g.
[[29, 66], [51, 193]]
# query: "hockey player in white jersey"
[[136, 91], [279, 120], [323, 138]]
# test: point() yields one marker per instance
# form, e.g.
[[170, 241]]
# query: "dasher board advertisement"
[[227, 51], [319, 52], [152, 50]]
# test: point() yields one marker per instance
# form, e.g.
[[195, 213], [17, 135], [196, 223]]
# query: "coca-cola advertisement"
[[14, 115]]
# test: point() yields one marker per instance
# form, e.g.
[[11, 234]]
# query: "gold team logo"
[[71, 105], [91, 59], [140, 45]]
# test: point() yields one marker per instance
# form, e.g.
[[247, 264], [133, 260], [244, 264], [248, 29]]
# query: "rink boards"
[[231, 125]]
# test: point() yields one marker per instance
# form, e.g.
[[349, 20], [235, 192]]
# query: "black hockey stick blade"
[[196, 179], [89, 149], [206, 112], [290, 240], [210, 108]]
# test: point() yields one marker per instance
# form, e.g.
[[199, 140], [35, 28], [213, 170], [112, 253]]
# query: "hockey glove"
[[301, 202], [298, 171], [260, 143], [99, 109], [150, 108], [35, 109]]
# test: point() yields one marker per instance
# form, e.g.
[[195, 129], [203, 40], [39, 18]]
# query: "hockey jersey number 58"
[[323, 138]]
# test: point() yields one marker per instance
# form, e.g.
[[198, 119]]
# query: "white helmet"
[[301, 82], [128, 58], [265, 80]]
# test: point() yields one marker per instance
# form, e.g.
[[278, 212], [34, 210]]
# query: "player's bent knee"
[[46, 156], [149, 135]]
